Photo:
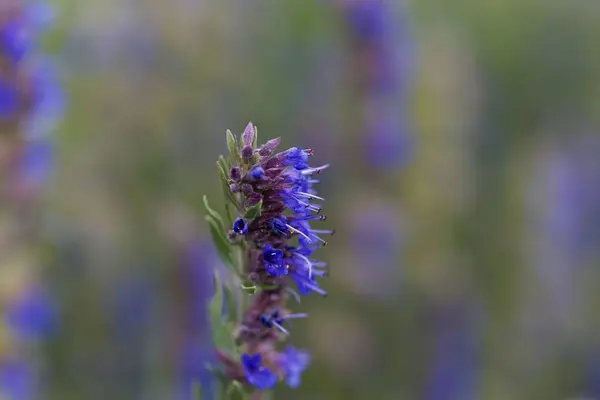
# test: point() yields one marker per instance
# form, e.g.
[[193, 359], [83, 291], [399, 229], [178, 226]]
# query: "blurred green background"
[[465, 267]]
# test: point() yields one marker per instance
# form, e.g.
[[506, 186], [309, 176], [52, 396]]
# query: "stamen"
[[319, 273], [307, 261], [281, 328], [316, 289], [321, 240], [293, 293], [294, 316], [298, 232], [314, 208], [323, 231], [318, 170], [310, 196]]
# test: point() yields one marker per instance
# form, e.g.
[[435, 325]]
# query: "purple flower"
[[37, 161], [15, 40], [306, 283], [294, 362], [49, 100], [278, 225], [455, 364], [276, 319], [383, 56], [296, 158], [368, 19], [18, 34], [9, 99], [273, 259], [240, 226], [33, 315], [256, 374], [283, 184], [17, 380], [257, 173]]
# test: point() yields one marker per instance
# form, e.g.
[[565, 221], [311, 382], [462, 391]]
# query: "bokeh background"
[[464, 139]]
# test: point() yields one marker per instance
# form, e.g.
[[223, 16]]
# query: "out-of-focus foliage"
[[470, 270]]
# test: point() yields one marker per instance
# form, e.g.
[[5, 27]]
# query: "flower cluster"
[[382, 59], [274, 196], [31, 98], [30, 105]]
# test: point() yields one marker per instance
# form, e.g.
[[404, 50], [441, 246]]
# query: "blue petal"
[[263, 379], [15, 40], [9, 99], [293, 380]]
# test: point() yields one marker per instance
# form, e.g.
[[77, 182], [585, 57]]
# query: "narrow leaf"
[[232, 145], [226, 191], [221, 243], [228, 214], [255, 140], [231, 303], [222, 336], [235, 391], [254, 211], [215, 215], [224, 165]]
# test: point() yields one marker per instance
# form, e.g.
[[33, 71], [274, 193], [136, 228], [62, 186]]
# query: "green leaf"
[[224, 174], [215, 215], [222, 334], [228, 214], [255, 139], [232, 145], [249, 287], [235, 391], [254, 211], [197, 390], [221, 243], [222, 166], [231, 301], [226, 191]]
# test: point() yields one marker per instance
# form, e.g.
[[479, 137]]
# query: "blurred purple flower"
[[133, 306], [294, 362], [592, 378], [17, 380], [18, 34], [378, 238], [389, 142], [49, 101], [15, 39], [33, 315], [197, 347], [369, 20], [566, 200], [36, 162], [383, 58], [9, 98], [454, 369], [257, 374]]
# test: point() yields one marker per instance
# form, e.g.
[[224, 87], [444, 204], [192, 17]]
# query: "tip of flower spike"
[[248, 135]]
